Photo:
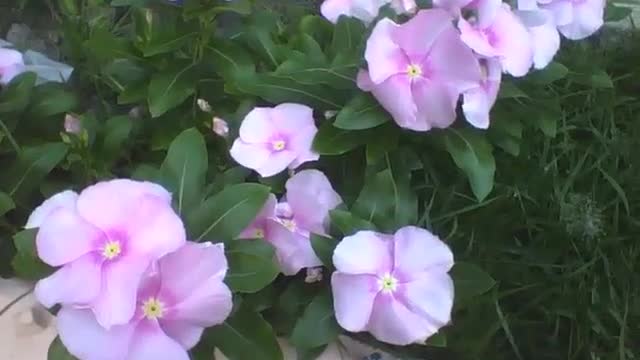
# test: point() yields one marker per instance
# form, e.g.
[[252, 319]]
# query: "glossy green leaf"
[[57, 351], [224, 216], [361, 112], [116, 132], [318, 325], [252, 265], [52, 99], [333, 141], [184, 169], [470, 281], [347, 223], [15, 97], [6, 203], [323, 247], [553, 72], [26, 263], [170, 88]]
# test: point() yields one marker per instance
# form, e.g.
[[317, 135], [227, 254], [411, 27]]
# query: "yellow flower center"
[[278, 145], [259, 234], [414, 71], [388, 283], [152, 309], [111, 250]]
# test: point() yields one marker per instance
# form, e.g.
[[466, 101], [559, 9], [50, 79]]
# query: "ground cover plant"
[[226, 173]]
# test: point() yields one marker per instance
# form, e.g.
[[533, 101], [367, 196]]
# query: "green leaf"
[[6, 203], [30, 168], [57, 351], [26, 263], [310, 70], [473, 154], [52, 99], [116, 133], [361, 112], [229, 60], [318, 325], [437, 340], [185, 168], [553, 72], [245, 336], [508, 90], [600, 79], [15, 97], [470, 281], [348, 36], [166, 42], [226, 214], [251, 265], [278, 89], [333, 141], [323, 247], [347, 223], [170, 88]]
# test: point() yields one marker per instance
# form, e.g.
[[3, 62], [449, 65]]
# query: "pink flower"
[[176, 301], [394, 286], [272, 139], [365, 10], [104, 239], [417, 70], [11, 65], [545, 39], [477, 102], [72, 124], [498, 32], [576, 19], [288, 225]]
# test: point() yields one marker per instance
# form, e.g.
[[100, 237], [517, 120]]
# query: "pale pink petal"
[[208, 305], [417, 36], [430, 296], [154, 229], [9, 57], [453, 7], [116, 303], [110, 204], [364, 81], [287, 118], [188, 335], [404, 6], [302, 144], [476, 39], [66, 199], [452, 62], [84, 338], [332, 9], [384, 57], [276, 163], [64, 236], [257, 126], [8, 73], [546, 43], [527, 4], [353, 297], [436, 105], [393, 323], [476, 107], [514, 44], [311, 197], [562, 11], [293, 250], [150, 342], [364, 10], [251, 156], [396, 97], [487, 11], [587, 19], [365, 252], [76, 283], [259, 223], [418, 250]]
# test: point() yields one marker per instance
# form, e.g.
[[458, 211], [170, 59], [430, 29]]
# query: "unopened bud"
[[72, 124], [204, 105], [329, 114], [314, 274], [220, 127]]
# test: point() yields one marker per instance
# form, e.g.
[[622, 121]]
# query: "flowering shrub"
[[217, 176]]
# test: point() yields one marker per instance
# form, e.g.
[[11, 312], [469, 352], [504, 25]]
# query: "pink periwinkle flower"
[[477, 102], [103, 239], [575, 19], [177, 299], [288, 225], [418, 70], [498, 32], [545, 39], [396, 287], [365, 10], [11, 65], [272, 139]]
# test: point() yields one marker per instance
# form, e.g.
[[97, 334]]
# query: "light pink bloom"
[[365, 10], [220, 127], [576, 19], [498, 32], [72, 124], [272, 139], [477, 102], [258, 227], [418, 70], [11, 65], [177, 299], [104, 239], [394, 286], [545, 38]]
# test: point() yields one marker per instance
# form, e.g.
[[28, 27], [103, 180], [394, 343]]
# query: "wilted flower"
[[272, 139], [104, 239], [176, 300], [220, 127], [477, 102], [394, 286], [11, 64], [72, 124], [418, 70]]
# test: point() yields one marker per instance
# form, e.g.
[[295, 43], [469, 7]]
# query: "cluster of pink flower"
[[11, 64], [130, 285], [418, 70]]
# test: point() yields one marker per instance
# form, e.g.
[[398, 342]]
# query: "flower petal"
[[84, 338], [76, 283], [587, 19], [436, 105], [276, 163], [293, 250], [116, 303], [418, 250], [150, 342], [476, 107], [514, 44], [431, 296], [452, 62], [66, 199], [257, 126], [259, 223], [311, 197], [302, 145], [395, 96], [188, 335], [546, 43], [475, 38], [251, 156], [287, 118], [417, 36], [384, 57], [562, 12], [353, 297], [64, 236], [393, 323], [365, 252]]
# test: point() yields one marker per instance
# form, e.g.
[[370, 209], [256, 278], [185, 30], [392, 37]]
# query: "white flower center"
[[278, 145], [111, 250], [153, 308], [414, 71], [388, 283]]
